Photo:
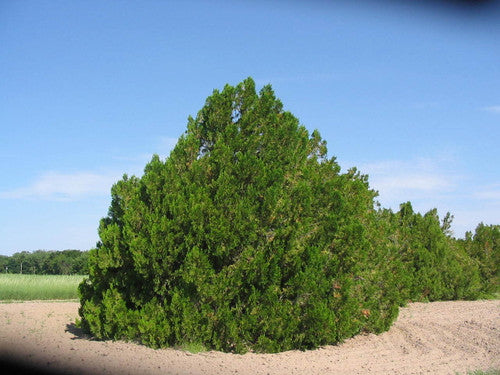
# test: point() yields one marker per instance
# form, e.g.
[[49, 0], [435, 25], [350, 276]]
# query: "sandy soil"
[[436, 338]]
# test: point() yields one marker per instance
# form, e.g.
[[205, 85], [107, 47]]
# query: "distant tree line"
[[43, 262]]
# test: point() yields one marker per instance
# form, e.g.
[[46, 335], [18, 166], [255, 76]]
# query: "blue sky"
[[407, 92]]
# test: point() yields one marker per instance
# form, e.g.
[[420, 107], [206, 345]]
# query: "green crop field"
[[15, 287]]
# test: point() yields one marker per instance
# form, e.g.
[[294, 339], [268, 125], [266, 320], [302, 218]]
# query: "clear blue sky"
[[407, 92]]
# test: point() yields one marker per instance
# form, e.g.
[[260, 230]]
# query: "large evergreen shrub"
[[484, 248], [432, 266], [246, 237]]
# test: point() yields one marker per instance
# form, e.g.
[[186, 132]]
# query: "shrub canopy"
[[246, 237], [249, 237]]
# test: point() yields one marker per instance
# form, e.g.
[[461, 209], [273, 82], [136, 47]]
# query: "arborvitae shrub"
[[246, 237], [432, 264], [484, 249]]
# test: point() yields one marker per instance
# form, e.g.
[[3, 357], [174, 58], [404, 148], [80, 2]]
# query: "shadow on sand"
[[78, 333]]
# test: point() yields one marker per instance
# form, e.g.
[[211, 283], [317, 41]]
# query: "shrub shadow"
[[78, 333]]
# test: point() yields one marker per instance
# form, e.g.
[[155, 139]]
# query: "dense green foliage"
[[484, 247], [249, 237], [41, 262], [433, 265], [22, 287]]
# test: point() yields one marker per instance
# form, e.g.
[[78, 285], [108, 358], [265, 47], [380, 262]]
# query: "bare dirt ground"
[[434, 338]]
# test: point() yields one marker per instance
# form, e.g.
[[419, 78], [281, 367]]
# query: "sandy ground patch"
[[432, 338]]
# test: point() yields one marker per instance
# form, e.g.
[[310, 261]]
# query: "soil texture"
[[427, 338]]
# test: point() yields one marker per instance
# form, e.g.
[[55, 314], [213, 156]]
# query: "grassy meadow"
[[22, 287]]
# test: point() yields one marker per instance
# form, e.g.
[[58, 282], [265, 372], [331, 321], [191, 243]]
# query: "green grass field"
[[16, 287]]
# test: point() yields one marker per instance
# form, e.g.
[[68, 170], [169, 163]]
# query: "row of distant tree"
[[43, 262]]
